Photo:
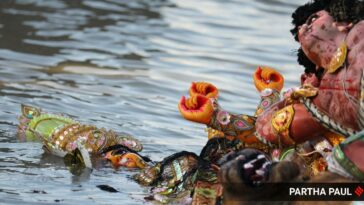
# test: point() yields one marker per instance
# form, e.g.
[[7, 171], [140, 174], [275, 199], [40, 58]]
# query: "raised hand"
[[269, 84], [265, 77], [204, 88], [197, 108]]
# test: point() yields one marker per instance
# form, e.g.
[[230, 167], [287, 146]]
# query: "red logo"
[[359, 191]]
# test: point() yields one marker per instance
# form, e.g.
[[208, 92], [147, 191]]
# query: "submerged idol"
[[63, 136]]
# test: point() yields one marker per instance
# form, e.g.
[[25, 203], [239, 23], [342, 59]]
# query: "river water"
[[124, 65]]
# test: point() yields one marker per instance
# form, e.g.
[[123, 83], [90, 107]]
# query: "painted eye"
[[311, 19]]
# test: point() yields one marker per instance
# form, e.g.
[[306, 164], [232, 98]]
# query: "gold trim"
[[338, 59], [281, 122]]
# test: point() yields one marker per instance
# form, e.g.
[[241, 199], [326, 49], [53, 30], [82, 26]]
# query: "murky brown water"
[[123, 65]]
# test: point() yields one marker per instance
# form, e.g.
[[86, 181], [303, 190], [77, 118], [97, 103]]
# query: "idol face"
[[320, 36]]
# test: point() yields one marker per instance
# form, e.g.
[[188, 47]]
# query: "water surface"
[[124, 65]]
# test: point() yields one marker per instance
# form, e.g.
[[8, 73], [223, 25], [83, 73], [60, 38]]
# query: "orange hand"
[[129, 160], [203, 88], [198, 108], [113, 159], [132, 160], [265, 77]]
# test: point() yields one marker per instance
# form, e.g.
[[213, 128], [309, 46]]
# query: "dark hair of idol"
[[340, 10], [121, 149]]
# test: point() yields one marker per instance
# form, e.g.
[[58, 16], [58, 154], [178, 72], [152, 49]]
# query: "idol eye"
[[311, 19]]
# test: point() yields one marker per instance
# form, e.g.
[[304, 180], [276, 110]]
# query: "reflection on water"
[[124, 65]]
